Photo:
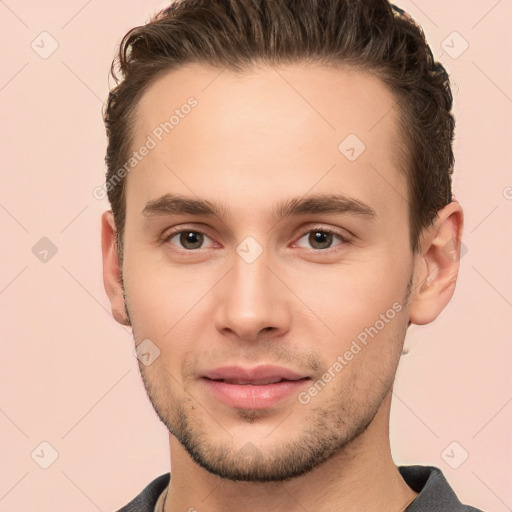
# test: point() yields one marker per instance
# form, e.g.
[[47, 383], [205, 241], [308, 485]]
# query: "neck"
[[361, 476]]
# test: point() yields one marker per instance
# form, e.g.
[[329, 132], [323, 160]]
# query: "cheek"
[[365, 364], [344, 299], [361, 304], [162, 298]]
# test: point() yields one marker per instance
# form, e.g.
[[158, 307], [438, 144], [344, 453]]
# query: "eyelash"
[[343, 238]]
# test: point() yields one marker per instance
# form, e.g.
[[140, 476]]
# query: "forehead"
[[299, 127]]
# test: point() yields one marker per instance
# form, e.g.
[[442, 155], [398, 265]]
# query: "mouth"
[[257, 388], [256, 382], [263, 374]]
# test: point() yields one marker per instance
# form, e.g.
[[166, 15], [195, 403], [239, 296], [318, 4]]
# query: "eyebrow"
[[174, 204]]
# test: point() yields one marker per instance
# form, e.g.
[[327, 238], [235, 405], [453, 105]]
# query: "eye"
[[188, 239], [322, 238], [319, 239]]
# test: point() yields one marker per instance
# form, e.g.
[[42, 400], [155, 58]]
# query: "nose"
[[252, 302]]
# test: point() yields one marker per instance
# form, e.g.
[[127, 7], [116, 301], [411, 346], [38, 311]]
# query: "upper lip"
[[256, 374]]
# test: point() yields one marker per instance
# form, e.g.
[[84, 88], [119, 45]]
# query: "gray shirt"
[[434, 492]]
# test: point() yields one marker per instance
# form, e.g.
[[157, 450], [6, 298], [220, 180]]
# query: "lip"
[[261, 372], [253, 395]]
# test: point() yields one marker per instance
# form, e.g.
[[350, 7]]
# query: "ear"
[[111, 268], [437, 265]]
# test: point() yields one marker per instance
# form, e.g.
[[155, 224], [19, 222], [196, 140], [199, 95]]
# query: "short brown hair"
[[371, 35]]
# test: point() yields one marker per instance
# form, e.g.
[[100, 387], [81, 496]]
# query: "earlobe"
[[437, 266], [111, 268]]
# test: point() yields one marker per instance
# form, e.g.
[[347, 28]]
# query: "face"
[[295, 253]]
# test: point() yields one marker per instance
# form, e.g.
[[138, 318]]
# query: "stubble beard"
[[331, 427]]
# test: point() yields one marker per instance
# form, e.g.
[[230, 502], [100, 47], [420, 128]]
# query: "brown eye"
[[187, 239], [191, 237], [321, 239]]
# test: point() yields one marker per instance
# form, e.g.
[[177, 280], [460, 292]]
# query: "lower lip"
[[247, 396]]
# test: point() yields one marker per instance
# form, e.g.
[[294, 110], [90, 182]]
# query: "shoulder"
[[146, 500], [434, 492]]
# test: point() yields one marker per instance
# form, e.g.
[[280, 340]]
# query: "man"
[[279, 173]]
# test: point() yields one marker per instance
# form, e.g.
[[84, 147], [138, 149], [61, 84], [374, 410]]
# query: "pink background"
[[69, 376]]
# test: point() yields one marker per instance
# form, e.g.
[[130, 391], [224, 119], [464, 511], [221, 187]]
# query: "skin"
[[252, 141]]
